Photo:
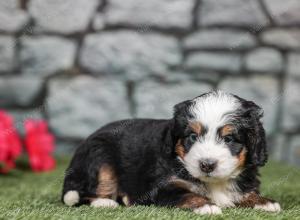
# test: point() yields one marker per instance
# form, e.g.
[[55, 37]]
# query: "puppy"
[[205, 158]]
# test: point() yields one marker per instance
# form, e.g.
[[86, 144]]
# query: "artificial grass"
[[25, 195]]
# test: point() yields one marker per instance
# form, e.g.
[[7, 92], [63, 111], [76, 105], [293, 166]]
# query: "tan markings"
[[188, 186], [125, 198], [196, 127], [227, 130], [107, 182], [251, 199], [179, 149], [242, 158], [178, 183], [192, 201]]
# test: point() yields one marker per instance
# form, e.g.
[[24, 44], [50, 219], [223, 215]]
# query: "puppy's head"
[[218, 135]]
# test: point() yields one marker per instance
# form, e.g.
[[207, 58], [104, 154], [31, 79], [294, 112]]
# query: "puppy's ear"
[[182, 109], [181, 115], [256, 137]]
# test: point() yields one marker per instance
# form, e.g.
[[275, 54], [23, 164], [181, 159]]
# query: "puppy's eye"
[[193, 137], [228, 138]]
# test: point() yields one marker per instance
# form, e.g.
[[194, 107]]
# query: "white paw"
[[208, 210], [269, 207], [104, 203]]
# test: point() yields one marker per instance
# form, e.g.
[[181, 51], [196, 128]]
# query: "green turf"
[[24, 195]]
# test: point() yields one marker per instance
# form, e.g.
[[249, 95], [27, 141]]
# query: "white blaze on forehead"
[[214, 108]]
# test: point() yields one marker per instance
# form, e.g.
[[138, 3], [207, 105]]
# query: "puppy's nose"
[[208, 165]]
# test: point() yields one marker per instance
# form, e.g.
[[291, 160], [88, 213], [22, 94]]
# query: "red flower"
[[10, 143], [39, 143]]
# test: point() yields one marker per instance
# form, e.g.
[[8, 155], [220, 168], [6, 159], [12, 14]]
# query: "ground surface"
[[24, 195]]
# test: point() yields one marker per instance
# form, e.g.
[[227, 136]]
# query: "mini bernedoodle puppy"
[[205, 158]]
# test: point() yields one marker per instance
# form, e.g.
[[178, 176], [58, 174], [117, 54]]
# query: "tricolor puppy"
[[204, 159]]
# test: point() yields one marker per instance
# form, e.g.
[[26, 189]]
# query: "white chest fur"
[[224, 194]]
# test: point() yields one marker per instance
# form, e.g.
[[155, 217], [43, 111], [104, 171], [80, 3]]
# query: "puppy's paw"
[[108, 203], [208, 210], [269, 207]]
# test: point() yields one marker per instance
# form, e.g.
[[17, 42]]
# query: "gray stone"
[[20, 116], [260, 89], [43, 56], [19, 91], [98, 22], [282, 38], [264, 60], [220, 39], [277, 147], [294, 64], [159, 13], [294, 154], [68, 16], [284, 12], [291, 113], [65, 148], [131, 54], [232, 12], [217, 61], [12, 19], [176, 76], [79, 106], [7, 45], [206, 76], [156, 100]]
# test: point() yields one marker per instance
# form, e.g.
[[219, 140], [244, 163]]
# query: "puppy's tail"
[[73, 193], [71, 198]]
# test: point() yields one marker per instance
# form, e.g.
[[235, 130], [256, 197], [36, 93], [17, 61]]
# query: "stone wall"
[[82, 63]]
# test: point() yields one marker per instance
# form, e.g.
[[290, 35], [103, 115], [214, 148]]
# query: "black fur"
[[250, 116], [142, 153]]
